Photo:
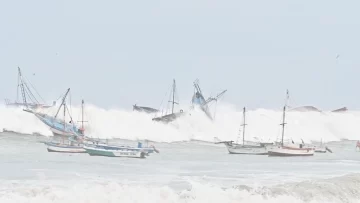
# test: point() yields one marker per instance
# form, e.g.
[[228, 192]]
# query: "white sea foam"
[[343, 189], [262, 124]]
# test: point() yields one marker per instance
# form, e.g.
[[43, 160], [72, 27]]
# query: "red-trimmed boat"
[[289, 150]]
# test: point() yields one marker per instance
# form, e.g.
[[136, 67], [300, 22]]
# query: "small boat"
[[146, 150], [358, 145], [289, 150], [198, 99], [245, 149], [115, 152], [64, 148], [321, 148], [250, 148], [167, 118]]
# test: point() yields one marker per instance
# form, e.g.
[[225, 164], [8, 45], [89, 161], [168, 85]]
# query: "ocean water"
[[181, 172], [189, 167]]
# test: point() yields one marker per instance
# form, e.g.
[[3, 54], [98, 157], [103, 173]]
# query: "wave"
[[263, 124], [343, 189]]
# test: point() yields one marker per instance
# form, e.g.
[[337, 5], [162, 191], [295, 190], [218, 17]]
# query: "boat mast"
[[173, 99], [283, 127], [82, 114], [82, 117], [244, 124], [64, 116], [22, 87], [63, 102]]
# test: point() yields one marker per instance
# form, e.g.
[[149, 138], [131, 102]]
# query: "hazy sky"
[[116, 53]]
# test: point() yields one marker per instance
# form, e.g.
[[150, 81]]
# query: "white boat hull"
[[290, 151], [65, 149], [250, 150]]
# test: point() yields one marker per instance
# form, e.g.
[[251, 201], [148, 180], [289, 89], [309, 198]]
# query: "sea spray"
[[263, 124], [342, 189]]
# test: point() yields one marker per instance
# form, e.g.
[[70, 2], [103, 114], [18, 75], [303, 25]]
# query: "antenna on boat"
[[243, 125], [283, 127]]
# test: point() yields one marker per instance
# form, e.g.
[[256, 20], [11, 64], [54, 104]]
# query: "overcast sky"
[[116, 53]]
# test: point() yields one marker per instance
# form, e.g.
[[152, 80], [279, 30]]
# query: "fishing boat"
[[114, 152], [169, 117], [147, 150], [198, 100], [29, 99], [65, 148], [74, 142], [320, 147], [57, 126], [247, 147], [289, 149]]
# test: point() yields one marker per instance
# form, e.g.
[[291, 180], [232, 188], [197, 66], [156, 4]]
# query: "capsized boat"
[[115, 152], [250, 148], [290, 149], [198, 99], [144, 109], [167, 118]]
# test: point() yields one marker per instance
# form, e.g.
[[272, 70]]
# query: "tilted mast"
[[22, 87], [62, 103]]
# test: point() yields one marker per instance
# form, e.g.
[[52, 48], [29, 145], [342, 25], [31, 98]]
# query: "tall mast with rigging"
[[62, 102]]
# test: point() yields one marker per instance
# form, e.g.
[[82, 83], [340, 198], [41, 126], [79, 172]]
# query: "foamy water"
[[182, 172], [262, 124]]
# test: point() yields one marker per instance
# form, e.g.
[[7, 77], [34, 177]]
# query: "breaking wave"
[[343, 189], [263, 124]]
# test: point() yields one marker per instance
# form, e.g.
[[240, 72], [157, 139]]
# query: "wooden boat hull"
[[289, 151], [65, 149], [93, 151]]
